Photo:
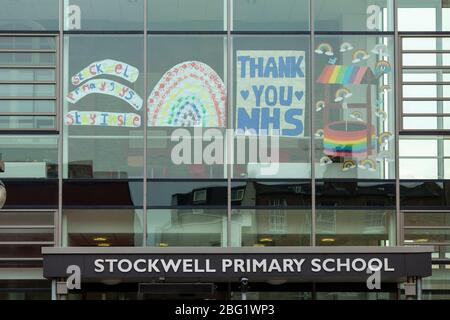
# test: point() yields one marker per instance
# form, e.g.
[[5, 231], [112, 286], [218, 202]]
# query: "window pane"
[[267, 228], [416, 15], [27, 43], [27, 90], [354, 107], [27, 106], [29, 156], [103, 228], [20, 218], [426, 123], [27, 75], [426, 59], [104, 107], [187, 100], [425, 236], [430, 219], [271, 85], [418, 169], [100, 15], [187, 228], [355, 228], [416, 147], [24, 235], [29, 15], [23, 58], [186, 15], [27, 122], [353, 15], [281, 15]]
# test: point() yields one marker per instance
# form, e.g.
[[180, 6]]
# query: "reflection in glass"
[[275, 227], [187, 227], [355, 228]]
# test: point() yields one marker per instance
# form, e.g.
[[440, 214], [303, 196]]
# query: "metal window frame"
[[56, 83]]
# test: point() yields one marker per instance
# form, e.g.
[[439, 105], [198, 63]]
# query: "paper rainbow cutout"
[[348, 164], [324, 48], [347, 139], [320, 105], [380, 49], [384, 138], [346, 46], [319, 133], [368, 164], [324, 161], [356, 115], [191, 94], [359, 55], [342, 94], [382, 67]]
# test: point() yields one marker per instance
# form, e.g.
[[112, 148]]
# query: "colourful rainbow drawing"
[[384, 138], [348, 164], [348, 139], [382, 67], [345, 75], [320, 105], [380, 49], [325, 48], [360, 55], [324, 161], [342, 94], [319, 133], [346, 46], [356, 115], [368, 164], [381, 114], [191, 94]]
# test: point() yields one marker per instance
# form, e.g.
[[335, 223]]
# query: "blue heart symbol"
[[299, 95], [244, 94]]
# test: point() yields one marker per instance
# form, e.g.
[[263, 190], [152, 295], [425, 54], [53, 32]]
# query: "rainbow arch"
[[191, 94]]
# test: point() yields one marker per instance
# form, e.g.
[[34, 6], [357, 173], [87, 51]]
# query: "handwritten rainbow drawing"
[[348, 164], [342, 74], [320, 105], [382, 67], [380, 49], [360, 55], [368, 164], [347, 139], [191, 94], [385, 155], [384, 138], [346, 46], [356, 115], [342, 94], [324, 161], [324, 48]]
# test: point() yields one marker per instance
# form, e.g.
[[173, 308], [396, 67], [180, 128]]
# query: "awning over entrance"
[[293, 264]]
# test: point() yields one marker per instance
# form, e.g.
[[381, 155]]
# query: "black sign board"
[[302, 265]]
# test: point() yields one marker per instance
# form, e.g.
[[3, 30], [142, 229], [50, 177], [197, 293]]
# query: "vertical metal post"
[[397, 103], [419, 288], [145, 117], [311, 123], [229, 136], [60, 106], [54, 297]]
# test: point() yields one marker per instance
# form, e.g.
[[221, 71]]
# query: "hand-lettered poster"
[[270, 92], [191, 94]]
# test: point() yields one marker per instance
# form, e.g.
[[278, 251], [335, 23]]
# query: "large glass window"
[[354, 107], [353, 15], [186, 106], [102, 228], [272, 131], [103, 107], [355, 228], [271, 227], [187, 15], [29, 15], [418, 15], [101, 15], [280, 15], [187, 227]]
